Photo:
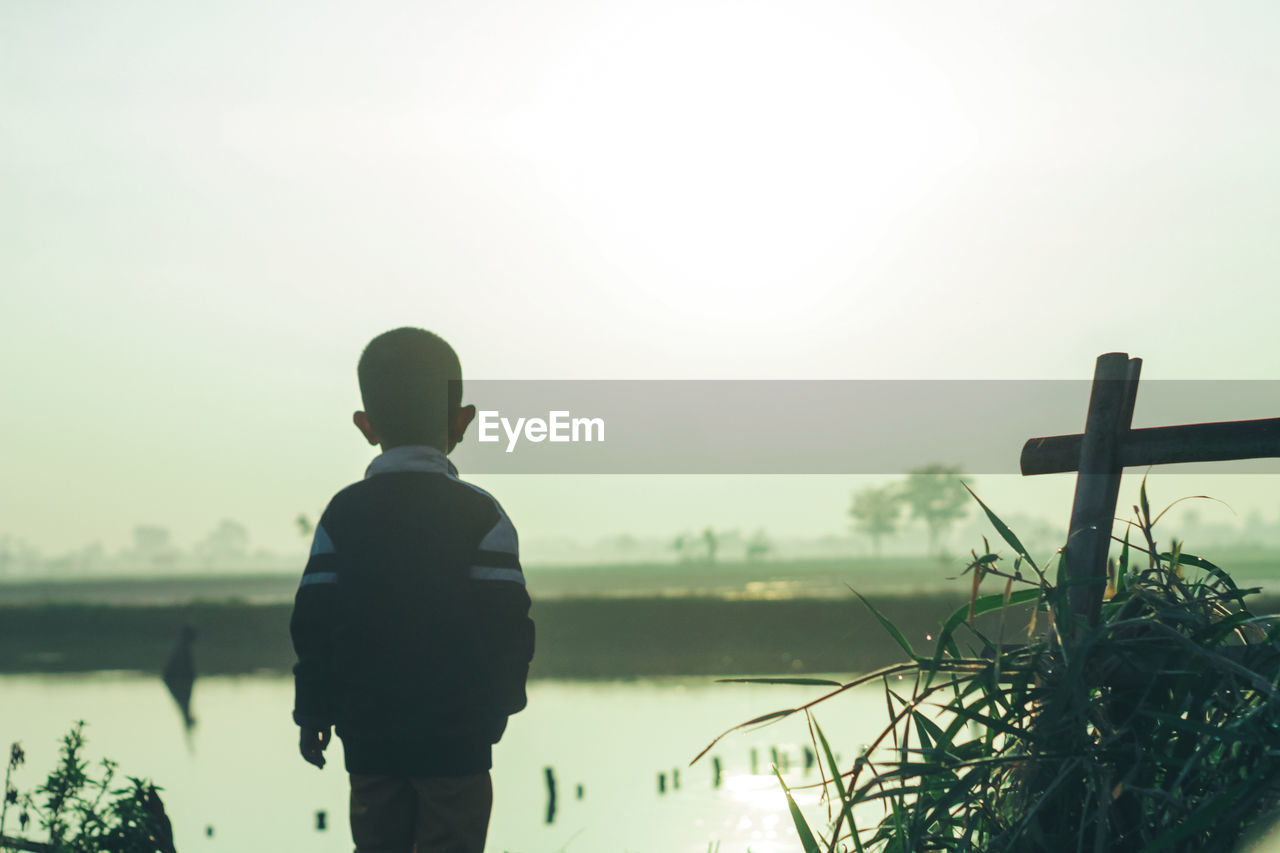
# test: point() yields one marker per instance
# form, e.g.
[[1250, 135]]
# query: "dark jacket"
[[411, 622]]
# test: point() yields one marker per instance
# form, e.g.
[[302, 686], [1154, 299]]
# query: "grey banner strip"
[[813, 426]]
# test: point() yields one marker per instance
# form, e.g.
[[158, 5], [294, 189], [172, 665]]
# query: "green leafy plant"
[[1157, 729], [81, 813]]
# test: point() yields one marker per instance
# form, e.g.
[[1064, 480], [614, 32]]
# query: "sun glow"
[[734, 154]]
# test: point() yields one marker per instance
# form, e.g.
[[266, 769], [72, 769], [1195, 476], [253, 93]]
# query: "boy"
[[411, 621]]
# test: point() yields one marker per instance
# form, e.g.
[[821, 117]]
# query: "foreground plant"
[[1158, 729], [82, 814]]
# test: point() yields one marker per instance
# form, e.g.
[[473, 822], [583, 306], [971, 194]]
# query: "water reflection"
[[246, 788], [179, 675]]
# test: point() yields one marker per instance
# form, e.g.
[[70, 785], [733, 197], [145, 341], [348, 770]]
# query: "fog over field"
[[209, 211]]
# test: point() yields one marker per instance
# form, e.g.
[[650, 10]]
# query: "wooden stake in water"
[[551, 795]]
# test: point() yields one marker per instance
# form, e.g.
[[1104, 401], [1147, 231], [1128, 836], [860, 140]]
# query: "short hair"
[[411, 385]]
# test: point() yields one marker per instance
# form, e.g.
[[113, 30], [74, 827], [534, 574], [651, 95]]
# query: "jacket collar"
[[411, 457]]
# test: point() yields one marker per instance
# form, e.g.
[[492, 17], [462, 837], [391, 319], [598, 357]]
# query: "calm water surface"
[[240, 774]]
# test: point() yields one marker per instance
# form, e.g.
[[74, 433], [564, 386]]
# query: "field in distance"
[[762, 579]]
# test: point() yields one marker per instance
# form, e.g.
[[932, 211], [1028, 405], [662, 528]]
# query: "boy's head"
[[411, 385]]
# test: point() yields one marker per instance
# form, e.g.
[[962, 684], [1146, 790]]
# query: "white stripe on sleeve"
[[491, 573]]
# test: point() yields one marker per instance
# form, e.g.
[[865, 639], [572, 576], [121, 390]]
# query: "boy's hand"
[[312, 744]]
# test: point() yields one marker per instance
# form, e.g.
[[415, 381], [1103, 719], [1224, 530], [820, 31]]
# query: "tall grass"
[[1157, 729]]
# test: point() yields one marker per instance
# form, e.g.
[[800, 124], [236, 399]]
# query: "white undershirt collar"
[[411, 457]]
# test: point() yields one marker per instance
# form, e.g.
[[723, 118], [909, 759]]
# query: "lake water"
[[240, 773]]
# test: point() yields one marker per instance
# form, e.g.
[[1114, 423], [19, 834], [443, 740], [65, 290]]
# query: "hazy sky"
[[207, 209]]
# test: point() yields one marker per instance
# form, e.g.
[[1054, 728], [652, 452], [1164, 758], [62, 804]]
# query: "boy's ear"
[[466, 414], [361, 420]]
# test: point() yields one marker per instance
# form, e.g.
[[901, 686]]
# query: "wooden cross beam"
[[1108, 446]]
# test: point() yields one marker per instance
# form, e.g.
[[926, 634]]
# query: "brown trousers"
[[392, 814]]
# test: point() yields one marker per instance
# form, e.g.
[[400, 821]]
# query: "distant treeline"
[[816, 577], [813, 578], [603, 638]]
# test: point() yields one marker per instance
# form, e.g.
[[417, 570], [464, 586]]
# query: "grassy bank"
[[605, 637], [577, 638]]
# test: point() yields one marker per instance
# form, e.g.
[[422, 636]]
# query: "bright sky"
[[207, 209]]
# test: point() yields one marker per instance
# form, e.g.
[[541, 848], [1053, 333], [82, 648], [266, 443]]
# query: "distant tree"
[[875, 512], [701, 547], [227, 542], [153, 545], [681, 546], [711, 542], [758, 546], [937, 497], [304, 525]]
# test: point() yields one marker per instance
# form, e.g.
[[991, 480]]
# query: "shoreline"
[[577, 638]]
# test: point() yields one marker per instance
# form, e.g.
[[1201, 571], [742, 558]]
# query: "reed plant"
[[84, 809], [1155, 729]]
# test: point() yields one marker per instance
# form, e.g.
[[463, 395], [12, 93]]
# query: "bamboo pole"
[[1222, 441], [1115, 385]]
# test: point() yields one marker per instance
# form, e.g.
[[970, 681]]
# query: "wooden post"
[[1115, 386], [551, 794], [1107, 447], [1100, 454], [1221, 441]]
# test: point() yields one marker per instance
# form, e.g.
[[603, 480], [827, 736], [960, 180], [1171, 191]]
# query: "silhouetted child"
[[411, 621]]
